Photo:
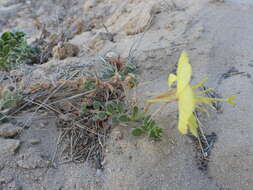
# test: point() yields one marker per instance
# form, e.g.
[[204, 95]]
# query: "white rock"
[[130, 19]]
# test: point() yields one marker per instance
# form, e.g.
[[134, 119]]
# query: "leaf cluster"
[[117, 113], [15, 50], [110, 70]]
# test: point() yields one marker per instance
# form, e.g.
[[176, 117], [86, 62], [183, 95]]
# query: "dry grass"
[[82, 137]]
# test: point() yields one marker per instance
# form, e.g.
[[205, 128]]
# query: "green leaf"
[[12, 42], [156, 132], [137, 132], [15, 50], [135, 112], [19, 34], [129, 68], [88, 85], [97, 105], [1, 44], [120, 107], [6, 50], [115, 120], [151, 124], [84, 108], [124, 118], [102, 115], [110, 108], [6, 36], [145, 128], [147, 120]]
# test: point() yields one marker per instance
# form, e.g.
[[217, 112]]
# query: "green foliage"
[[116, 113], [100, 116], [115, 108], [110, 70], [128, 69], [8, 99], [134, 116], [149, 127], [146, 123], [89, 85], [84, 108], [14, 50], [97, 105]]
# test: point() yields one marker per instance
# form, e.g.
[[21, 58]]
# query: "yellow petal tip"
[[231, 100]]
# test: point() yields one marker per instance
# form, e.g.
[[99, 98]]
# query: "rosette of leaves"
[[14, 50]]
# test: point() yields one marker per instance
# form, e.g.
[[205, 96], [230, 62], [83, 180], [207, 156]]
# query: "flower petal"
[[231, 100], [200, 83], [204, 91], [185, 107], [164, 99], [193, 126], [171, 79], [203, 109], [199, 99], [184, 72], [182, 126]]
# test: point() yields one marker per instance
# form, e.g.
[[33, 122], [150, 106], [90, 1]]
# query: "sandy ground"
[[217, 36]]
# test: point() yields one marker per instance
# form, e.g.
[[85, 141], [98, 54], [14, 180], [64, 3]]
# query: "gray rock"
[[31, 160], [13, 186], [5, 179], [9, 130], [8, 146]]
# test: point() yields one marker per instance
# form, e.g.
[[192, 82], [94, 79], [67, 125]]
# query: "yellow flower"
[[186, 97]]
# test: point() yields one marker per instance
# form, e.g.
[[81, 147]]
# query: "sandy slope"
[[217, 36], [225, 41], [229, 33]]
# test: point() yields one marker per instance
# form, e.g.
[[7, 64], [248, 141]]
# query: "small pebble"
[[34, 141], [9, 130], [43, 124]]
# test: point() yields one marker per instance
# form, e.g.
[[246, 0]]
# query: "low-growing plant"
[[145, 124], [148, 126], [188, 99], [14, 50], [110, 69], [8, 100], [116, 113]]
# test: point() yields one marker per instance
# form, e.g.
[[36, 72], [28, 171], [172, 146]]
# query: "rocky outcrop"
[[130, 19]]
